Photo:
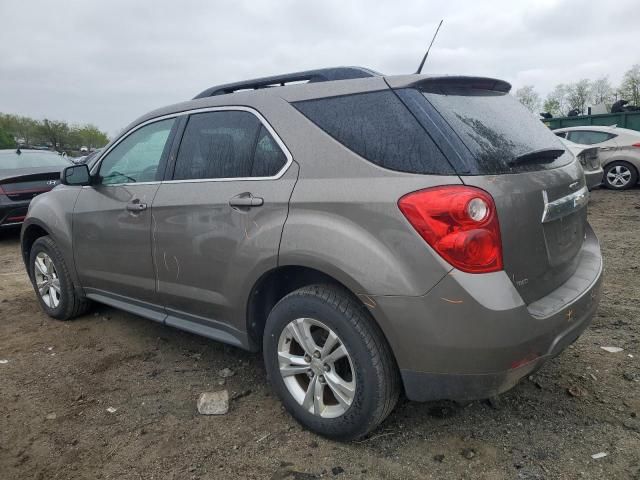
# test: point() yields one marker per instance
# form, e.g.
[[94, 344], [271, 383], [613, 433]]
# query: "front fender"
[[53, 213]]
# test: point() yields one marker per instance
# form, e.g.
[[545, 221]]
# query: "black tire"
[[71, 304], [610, 168], [377, 386]]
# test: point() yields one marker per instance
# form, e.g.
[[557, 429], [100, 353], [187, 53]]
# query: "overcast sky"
[[107, 62]]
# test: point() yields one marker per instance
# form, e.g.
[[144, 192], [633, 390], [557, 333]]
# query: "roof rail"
[[311, 76]]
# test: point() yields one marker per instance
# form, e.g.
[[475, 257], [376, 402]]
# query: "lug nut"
[[321, 378], [326, 367], [310, 373], [316, 354], [307, 358]]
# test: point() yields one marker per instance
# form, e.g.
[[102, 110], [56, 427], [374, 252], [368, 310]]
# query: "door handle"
[[136, 206], [246, 200]]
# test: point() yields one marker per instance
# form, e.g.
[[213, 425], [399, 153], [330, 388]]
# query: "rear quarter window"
[[378, 127]]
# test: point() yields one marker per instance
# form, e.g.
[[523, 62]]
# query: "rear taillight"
[[458, 222], [637, 144]]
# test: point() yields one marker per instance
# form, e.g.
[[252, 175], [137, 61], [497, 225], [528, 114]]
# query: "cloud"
[[107, 62]]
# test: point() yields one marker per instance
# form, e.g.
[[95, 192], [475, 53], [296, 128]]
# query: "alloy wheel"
[[316, 368], [47, 280], [619, 176]]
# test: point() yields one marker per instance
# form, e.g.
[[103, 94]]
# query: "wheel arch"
[[275, 284], [30, 233]]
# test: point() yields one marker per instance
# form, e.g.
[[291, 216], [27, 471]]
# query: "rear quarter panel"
[[344, 218]]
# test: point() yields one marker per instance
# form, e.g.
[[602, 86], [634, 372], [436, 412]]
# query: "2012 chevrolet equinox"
[[371, 234]]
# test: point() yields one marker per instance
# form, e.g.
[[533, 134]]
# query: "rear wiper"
[[544, 155]]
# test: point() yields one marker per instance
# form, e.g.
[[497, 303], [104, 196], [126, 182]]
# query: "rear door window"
[[217, 145], [589, 137], [378, 127], [227, 144]]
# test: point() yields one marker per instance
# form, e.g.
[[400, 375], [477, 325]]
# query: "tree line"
[[583, 93], [28, 132]]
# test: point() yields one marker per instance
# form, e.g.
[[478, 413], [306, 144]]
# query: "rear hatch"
[[494, 143]]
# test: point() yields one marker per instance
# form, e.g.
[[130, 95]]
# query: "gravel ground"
[[57, 380]]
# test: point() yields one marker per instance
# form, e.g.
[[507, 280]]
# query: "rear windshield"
[[378, 127], [496, 129], [13, 161]]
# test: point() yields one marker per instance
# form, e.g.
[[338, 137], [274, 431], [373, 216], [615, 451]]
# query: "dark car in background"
[[23, 175]]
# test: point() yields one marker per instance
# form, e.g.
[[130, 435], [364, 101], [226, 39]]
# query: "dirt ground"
[[57, 380]]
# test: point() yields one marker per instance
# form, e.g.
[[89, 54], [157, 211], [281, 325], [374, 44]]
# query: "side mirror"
[[76, 175]]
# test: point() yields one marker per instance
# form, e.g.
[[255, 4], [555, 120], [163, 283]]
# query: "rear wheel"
[[52, 282], [329, 362], [620, 175]]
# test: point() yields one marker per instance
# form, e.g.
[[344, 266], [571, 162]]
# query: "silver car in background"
[[618, 149], [590, 161]]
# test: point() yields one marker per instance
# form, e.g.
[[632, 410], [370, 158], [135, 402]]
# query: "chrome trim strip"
[[563, 206], [251, 110]]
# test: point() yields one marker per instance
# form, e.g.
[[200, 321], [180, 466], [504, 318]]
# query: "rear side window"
[[589, 137], [227, 144], [496, 129], [378, 127]]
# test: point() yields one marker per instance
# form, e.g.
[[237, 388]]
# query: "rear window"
[[378, 127], [13, 161], [496, 129]]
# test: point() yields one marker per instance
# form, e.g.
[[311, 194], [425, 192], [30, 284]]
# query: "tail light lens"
[[458, 222], [637, 144]]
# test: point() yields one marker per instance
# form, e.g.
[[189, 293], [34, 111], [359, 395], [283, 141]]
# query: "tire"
[[620, 175], [62, 303], [367, 377]]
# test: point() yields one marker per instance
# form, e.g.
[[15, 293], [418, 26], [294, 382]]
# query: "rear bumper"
[[473, 337], [593, 178]]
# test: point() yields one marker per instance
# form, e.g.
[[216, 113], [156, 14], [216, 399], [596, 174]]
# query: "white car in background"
[[618, 151], [589, 159]]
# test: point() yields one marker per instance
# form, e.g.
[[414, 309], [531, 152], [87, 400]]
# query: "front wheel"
[[329, 362], [52, 281], [620, 175]]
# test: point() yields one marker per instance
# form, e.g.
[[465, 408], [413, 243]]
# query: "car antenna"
[[424, 59]]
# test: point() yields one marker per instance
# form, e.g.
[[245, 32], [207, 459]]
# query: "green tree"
[[529, 98], [602, 91], [578, 95], [6, 140], [630, 88], [556, 102], [55, 132], [90, 136]]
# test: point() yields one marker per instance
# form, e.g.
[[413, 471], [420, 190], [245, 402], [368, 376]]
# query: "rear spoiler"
[[442, 83]]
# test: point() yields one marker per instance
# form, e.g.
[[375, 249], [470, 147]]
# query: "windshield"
[[13, 161], [497, 130]]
